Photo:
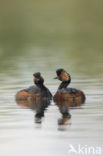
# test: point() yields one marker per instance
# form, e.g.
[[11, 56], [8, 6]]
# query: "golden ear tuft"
[[34, 78], [65, 76]]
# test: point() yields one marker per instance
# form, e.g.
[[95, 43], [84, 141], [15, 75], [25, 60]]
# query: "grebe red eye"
[[60, 75]]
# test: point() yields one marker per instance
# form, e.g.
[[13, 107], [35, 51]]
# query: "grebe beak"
[[55, 77]]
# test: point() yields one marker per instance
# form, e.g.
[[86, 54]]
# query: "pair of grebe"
[[39, 90]]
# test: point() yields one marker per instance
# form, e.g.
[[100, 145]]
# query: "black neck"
[[40, 85], [64, 84]]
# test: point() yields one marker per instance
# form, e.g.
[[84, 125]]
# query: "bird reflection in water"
[[64, 108], [38, 105]]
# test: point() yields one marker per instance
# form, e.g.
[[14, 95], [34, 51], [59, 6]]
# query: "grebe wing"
[[32, 90]]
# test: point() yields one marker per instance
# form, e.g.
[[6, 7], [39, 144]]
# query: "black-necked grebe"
[[37, 90], [72, 96]]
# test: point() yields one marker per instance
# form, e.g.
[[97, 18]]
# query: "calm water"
[[43, 36]]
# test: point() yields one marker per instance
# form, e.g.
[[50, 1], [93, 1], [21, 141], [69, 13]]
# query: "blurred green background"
[[63, 33]]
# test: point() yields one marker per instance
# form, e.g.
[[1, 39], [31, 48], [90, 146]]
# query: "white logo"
[[85, 150]]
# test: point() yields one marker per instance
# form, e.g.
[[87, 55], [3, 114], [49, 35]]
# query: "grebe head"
[[62, 75], [38, 79]]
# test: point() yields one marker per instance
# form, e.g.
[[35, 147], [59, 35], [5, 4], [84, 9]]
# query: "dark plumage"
[[71, 96], [37, 90]]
